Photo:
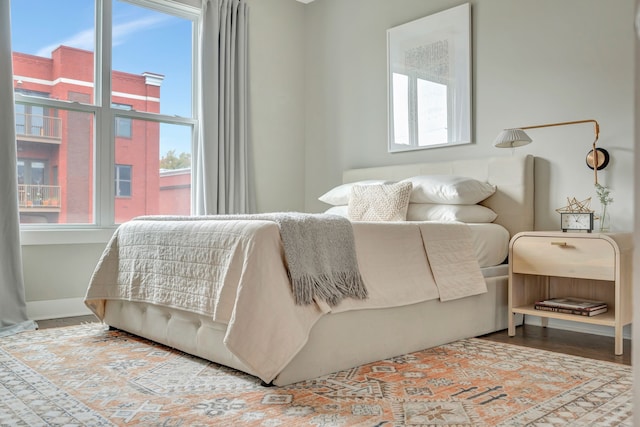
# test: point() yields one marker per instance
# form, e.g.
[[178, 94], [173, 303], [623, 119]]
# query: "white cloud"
[[85, 39], [124, 30], [81, 40]]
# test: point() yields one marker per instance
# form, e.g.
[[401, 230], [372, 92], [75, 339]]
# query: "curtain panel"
[[221, 157], [13, 310]]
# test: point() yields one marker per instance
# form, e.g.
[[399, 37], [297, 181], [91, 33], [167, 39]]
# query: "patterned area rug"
[[90, 376]]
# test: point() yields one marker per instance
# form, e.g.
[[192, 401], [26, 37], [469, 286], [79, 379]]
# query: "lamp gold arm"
[[593, 160], [595, 123]]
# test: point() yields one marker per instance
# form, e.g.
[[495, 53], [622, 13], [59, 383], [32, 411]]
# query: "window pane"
[[124, 173], [55, 165], [123, 124], [21, 119], [151, 51], [401, 109], [175, 170], [123, 127], [432, 113], [53, 45], [157, 177], [123, 181]]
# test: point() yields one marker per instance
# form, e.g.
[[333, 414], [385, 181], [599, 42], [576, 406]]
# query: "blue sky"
[[143, 40]]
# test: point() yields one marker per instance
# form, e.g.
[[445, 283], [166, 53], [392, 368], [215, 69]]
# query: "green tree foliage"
[[173, 161]]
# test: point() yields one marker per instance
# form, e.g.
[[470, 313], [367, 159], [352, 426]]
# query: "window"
[[87, 136], [31, 172], [123, 124], [123, 181], [419, 118], [432, 117], [123, 127]]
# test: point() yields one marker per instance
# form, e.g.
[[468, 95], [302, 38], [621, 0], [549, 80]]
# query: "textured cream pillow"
[[340, 195], [449, 189], [384, 202]]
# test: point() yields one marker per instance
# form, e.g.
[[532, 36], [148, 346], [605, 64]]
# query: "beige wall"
[[58, 271], [533, 62], [276, 37]]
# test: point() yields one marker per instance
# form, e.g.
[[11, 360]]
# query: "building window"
[[123, 124], [123, 181], [96, 132], [123, 127]]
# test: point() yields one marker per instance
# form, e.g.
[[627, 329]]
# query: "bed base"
[[337, 341]]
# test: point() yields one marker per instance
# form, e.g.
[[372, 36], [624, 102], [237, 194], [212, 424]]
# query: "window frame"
[[105, 115]]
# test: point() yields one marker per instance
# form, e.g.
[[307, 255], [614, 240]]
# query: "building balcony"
[[38, 128], [39, 198]]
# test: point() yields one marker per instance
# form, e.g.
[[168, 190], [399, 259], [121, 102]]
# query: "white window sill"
[[66, 236]]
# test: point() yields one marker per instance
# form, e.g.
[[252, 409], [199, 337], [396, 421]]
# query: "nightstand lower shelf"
[[605, 319]]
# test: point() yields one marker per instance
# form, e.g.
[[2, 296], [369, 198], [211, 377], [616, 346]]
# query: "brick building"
[[56, 147]]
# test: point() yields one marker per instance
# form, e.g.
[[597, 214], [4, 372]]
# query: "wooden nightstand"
[[550, 264]]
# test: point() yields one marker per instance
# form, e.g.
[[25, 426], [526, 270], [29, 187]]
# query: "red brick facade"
[[56, 150]]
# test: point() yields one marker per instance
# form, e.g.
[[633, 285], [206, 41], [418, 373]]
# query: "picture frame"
[[429, 81]]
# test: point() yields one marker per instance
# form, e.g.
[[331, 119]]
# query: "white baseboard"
[[584, 328], [56, 309]]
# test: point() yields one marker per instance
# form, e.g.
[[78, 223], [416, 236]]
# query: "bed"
[[271, 337]]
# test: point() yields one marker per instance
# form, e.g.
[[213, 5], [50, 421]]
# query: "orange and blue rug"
[[87, 375]]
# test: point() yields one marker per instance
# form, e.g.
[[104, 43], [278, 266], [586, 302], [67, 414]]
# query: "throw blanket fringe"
[[319, 251], [331, 289]]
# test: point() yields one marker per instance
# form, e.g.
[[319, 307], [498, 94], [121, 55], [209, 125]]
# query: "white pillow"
[[338, 210], [462, 213], [382, 202], [340, 195], [449, 189]]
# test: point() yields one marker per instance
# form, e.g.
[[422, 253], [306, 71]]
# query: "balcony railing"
[[39, 196], [38, 126]]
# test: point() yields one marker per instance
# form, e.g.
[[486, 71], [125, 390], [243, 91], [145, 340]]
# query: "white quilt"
[[235, 272]]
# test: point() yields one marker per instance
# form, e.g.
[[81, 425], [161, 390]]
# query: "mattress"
[[490, 243]]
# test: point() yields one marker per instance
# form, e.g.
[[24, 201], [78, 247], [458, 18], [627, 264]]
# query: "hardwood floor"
[[557, 340], [65, 321]]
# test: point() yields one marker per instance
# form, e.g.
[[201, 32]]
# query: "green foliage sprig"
[[603, 194]]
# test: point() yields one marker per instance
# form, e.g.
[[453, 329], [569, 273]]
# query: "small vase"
[[605, 221]]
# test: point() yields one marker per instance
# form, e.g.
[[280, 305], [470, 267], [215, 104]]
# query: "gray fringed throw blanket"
[[319, 251]]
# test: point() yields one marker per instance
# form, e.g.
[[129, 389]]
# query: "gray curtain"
[[13, 310], [221, 158]]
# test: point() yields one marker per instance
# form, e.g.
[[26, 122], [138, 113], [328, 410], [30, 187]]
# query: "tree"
[[171, 161]]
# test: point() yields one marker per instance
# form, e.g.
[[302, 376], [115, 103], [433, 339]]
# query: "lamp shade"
[[509, 138]]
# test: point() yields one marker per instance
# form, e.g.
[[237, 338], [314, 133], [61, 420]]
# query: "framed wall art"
[[429, 81]]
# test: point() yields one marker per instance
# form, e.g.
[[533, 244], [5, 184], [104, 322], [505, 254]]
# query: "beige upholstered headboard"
[[513, 177]]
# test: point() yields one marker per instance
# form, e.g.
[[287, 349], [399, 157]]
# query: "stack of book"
[[572, 305]]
